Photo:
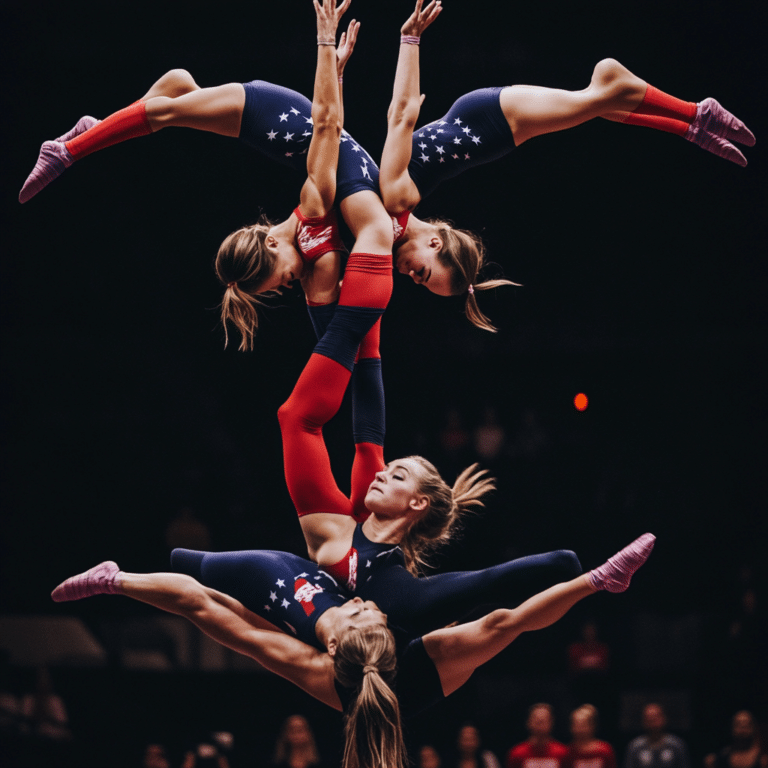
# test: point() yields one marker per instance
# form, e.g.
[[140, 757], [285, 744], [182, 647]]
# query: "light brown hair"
[[463, 253], [440, 522], [242, 264], [283, 748], [365, 661]]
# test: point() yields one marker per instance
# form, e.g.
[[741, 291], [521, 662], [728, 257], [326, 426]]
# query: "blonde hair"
[[590, 712], [283, 750], [365, 661], [463, 252], [438, 525], [242, 264]]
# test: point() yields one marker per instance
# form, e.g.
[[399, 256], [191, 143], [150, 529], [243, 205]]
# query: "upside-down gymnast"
[[486, 124], [284, 125], [355, 672]]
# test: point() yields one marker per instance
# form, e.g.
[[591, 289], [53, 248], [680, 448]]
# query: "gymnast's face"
[[418, 258], [357, 613], [395, 490], [288, 265]]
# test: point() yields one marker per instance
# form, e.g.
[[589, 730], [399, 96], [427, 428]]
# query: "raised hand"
[[346, 45], [420, 19], [328, 15]]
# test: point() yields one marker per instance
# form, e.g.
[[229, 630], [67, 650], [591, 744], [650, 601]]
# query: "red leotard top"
[[318, 235], [399, 223]]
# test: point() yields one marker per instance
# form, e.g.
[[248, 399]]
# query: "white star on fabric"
[[442, 159], [289, 154], [439, 149], [303, 575], [285, 603], [307, 133], [368, 564], [344, 138], [288, 136], [295, 111], [465, 129], [308, 120], [267, 607], [466, 157], [442, 122], [457, 140], [273, 596], [356, 148], [271, 135], [283, 117], [421, 135], [455, 157], [280, 583], [457, 121], [476, 139], [433, 136], [366, 172], [424, 158], [422, 145], [441, 130]]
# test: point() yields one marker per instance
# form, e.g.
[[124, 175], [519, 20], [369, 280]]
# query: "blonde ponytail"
[[243, 263], [463, 253], [447, 506], [365, 661]]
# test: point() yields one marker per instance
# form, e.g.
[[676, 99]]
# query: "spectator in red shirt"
[[539, 750], [585, 751]]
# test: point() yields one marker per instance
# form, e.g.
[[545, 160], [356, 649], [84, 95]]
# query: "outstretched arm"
[[458, 651], [398, 191], [319, 190], [343, 52], [228, 622]]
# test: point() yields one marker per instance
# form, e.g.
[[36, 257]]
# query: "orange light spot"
[[581, 402]]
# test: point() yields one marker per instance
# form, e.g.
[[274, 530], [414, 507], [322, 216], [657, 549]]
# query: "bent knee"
[[177, 82], [566, 563], [607, 70]]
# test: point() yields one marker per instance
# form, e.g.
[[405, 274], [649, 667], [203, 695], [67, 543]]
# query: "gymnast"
[[355, 672], [262, 258], [486, 124]]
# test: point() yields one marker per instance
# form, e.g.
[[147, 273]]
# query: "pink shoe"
[[714, 128], [615, 574], [82, 125], [102, 579], [53, 160]]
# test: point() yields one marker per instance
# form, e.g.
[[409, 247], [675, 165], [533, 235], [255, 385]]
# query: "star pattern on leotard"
[[298, 131], [437, 138]]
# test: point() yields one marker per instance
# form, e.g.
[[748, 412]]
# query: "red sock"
[[128, 123], [369, 459], [663, 112], [367, 280], [369, 346]]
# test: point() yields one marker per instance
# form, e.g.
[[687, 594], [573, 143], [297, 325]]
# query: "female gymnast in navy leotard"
[[488, 123], [284, 125], [430, 667]]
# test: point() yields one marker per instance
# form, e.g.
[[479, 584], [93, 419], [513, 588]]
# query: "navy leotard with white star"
[[277, 121], [473, 132], [286, 590]]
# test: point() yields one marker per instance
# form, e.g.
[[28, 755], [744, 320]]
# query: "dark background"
[[642, 260]]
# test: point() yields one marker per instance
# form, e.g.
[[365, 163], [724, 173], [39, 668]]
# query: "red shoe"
[[102, 579]]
